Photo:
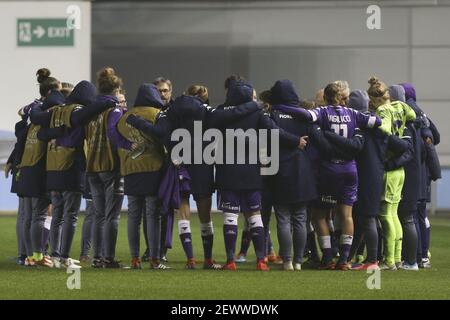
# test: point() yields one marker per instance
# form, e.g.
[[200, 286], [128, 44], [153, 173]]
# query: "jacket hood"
[[148, 95], [397, 93], [410, 91], [359, 100], [55, 98], [283, 92], [238, 93], [84, 93], [184, 105]]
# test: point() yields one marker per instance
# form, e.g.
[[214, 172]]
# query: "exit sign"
[[44, 32]]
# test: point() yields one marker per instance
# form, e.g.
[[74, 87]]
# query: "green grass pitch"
[[24, 283]]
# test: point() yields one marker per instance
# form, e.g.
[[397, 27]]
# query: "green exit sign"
[[44, 32]]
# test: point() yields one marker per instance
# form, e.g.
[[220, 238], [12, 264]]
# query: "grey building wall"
[[311, 43]]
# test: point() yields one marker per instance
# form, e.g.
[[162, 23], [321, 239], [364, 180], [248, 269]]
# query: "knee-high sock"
[[325, 244], [256, 228], [246, 239], [230, 229], [184, 230], [207, 231], [345, 243]]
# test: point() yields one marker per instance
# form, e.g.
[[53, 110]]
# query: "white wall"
[[19, 64]]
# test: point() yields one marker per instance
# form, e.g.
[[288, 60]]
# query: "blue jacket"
[[295, 181]]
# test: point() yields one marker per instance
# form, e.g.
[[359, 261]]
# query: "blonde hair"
[[344, 91], [198, 91], [378, 92], [320, 100]]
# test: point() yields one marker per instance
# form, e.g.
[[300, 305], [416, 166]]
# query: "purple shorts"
[[337, 187], [239, 201]]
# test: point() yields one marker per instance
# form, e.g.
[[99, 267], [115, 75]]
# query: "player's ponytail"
[[108, 82], [46, 83], [378, 92]]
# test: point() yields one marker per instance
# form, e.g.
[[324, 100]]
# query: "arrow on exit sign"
[[39, 31]]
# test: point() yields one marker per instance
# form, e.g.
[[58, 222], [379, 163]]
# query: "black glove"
[[135, 121]]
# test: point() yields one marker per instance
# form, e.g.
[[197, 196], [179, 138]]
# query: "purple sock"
[[257, 231], [327, 255], [325, 244], [245, 242], [230, 234], [230, 237], [335, 244], [345, 243], [186, 241], [258, 242], [184, 230]]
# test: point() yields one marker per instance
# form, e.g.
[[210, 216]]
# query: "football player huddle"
[[353, 174]]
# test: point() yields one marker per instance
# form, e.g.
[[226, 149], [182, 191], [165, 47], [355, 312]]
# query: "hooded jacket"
[[295, 181], [142, 168], [32, 169], [66, 161]]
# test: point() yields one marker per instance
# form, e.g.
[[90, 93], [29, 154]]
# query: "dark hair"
[[42, 74], [232, 79], [46, 83], [160, 80], [198, 91], [332, 94], [108, 82], [266, 99], [66, 88], [265, 96]]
